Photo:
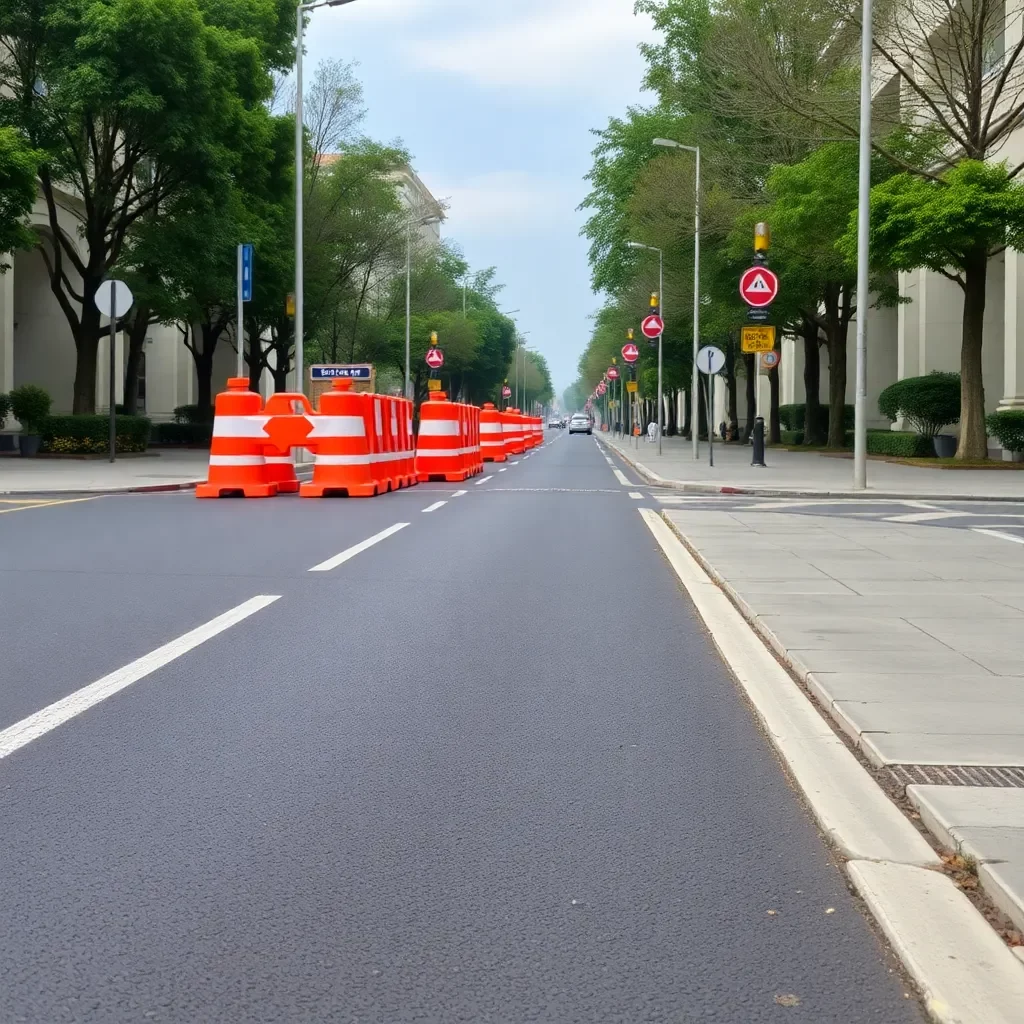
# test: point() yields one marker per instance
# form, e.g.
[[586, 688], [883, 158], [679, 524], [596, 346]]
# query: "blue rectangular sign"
[[355, 372], [247, 258]]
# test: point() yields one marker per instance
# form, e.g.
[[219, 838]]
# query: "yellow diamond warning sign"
[[757, 339]]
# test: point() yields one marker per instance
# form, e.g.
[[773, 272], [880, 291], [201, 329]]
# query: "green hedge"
[[901, 444], [792, 416], [182, 433], [90, 435], [1007, 427], [190, 414], [928, 403], [791, 437]]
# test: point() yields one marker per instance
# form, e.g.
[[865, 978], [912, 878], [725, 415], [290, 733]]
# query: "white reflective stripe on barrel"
[[237, 460], [240, 426], [326, 425], [439, 428]]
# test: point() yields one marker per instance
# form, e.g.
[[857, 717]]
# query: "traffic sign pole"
[[239, 319]]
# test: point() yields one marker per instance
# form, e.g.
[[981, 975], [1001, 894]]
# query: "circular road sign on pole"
[[652, 326], [630, 352], [710, 359], [435, 358], [759, 286], [613, 373]]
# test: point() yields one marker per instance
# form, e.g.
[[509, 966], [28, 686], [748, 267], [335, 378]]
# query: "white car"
[[580, 425], [554, 423]]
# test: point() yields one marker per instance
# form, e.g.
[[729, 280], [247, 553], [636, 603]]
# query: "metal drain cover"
[[957, 775]]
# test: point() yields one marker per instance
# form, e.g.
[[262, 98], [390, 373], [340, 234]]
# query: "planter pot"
[[7, 443], [945, 445], [28, 445]]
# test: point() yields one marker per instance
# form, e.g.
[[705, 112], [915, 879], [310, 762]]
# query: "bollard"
[[758, 441]]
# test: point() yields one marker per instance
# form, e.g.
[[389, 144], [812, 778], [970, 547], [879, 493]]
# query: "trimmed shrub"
[[900, 444], [30, 405], [929, 403], [792, 417], [182, 433], [791, 437], [189, 414], [90, 435], [5, 408], [1006, 426]]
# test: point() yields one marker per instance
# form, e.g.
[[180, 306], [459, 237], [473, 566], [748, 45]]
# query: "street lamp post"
[[694, 375], [661, 306], [300, 175], [860, 436], [421, 222]]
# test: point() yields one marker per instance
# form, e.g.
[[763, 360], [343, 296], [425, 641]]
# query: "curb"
[[189, 485], [965, 972], [795, 492]]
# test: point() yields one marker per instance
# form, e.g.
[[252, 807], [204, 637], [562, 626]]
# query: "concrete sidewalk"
[[806, 474], [912, 639], [154, 471]]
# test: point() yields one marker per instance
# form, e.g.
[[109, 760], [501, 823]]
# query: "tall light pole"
[[420, 222], [300, 175], [661, 305], [694, 375], [860, 435]]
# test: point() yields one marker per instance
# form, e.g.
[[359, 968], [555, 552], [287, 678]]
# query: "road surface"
[[488, 768]]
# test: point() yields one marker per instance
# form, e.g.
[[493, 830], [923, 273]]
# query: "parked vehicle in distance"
[[555, 423], [580, 424]]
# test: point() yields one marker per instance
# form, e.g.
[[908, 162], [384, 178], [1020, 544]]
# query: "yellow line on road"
[[45, 504]]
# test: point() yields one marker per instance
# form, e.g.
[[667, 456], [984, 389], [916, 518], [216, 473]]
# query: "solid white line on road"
[[344, 556], [483, 481], [999, 534], [459, 494], [635, 494], [28, 729], [924, 517], [621, 477], [436, 505]]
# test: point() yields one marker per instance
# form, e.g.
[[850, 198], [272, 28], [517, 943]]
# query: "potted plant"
[[30, 405], [1007, 427], [6, 440], [928, 403]]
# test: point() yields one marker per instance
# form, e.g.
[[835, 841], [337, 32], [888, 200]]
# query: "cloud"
[[505, 202], [569, 43]]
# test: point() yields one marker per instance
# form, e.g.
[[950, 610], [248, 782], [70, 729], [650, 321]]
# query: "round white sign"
[[120, 301], [769, 360], [710, 359]]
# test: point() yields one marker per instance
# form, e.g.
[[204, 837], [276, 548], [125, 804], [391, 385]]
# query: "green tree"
[[953, 226], [129, 101], [18, 166]]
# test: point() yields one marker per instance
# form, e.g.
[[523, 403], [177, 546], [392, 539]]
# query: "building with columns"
[[924, 333], [36, 345]]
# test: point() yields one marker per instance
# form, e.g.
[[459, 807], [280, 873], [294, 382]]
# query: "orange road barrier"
[[448, 443], [237, 461], [538, 429], [514, 432], [363, 443], [492, 443]]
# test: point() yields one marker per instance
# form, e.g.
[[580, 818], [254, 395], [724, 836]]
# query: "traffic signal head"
[[629, 334], [654, 300], [433, 337], [762, 237]]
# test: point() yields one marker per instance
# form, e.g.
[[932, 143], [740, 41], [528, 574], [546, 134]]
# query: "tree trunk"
[[812, 383], [731, 389], [748, 361], [137, 330], [973, 436], [774, 431], [87, 343], [204, 384], [280, 374], [688, 414], [835, 329], [255, 360]]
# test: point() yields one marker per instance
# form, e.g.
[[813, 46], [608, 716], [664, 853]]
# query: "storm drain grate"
[[957, 775]]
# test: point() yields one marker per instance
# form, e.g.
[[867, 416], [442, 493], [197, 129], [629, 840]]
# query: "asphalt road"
[[487, 769]]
